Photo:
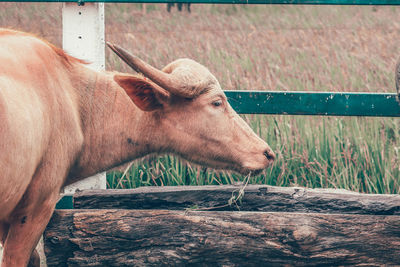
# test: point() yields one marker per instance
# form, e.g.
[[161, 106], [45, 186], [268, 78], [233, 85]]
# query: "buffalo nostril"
[[269, 155]]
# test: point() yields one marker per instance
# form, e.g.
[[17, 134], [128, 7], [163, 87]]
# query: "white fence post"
[[83, 37]]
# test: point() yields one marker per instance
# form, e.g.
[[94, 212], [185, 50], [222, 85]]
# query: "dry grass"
[[310, 48], [318, 48], [270, 47]]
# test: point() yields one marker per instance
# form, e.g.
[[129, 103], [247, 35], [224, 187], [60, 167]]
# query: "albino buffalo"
[[62, 122]]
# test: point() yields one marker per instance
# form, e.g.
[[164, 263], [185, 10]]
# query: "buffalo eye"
[[217, 103]]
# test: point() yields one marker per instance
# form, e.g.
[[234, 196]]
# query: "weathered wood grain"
[[178, 238], [58, 247], [256, 198]]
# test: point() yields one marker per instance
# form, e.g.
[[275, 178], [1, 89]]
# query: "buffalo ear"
[[143, 92]]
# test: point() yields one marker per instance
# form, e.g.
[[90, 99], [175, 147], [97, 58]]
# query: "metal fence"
[[257, 2]]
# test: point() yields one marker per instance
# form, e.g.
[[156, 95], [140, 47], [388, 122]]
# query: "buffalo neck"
[[115, 130]]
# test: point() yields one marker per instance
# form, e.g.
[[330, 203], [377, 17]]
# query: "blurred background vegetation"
[[276, 48]]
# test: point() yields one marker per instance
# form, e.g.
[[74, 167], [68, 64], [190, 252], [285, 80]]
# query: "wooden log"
[[256, 198], [179, 238], [58, 247]]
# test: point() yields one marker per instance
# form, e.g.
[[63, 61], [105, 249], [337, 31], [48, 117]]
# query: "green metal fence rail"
[[315, 103], [265, 2]]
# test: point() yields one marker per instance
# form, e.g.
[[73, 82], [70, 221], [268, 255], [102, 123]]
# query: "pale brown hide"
[[62, 122]]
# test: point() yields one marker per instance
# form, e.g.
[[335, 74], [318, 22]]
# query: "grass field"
[[299, 48]]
